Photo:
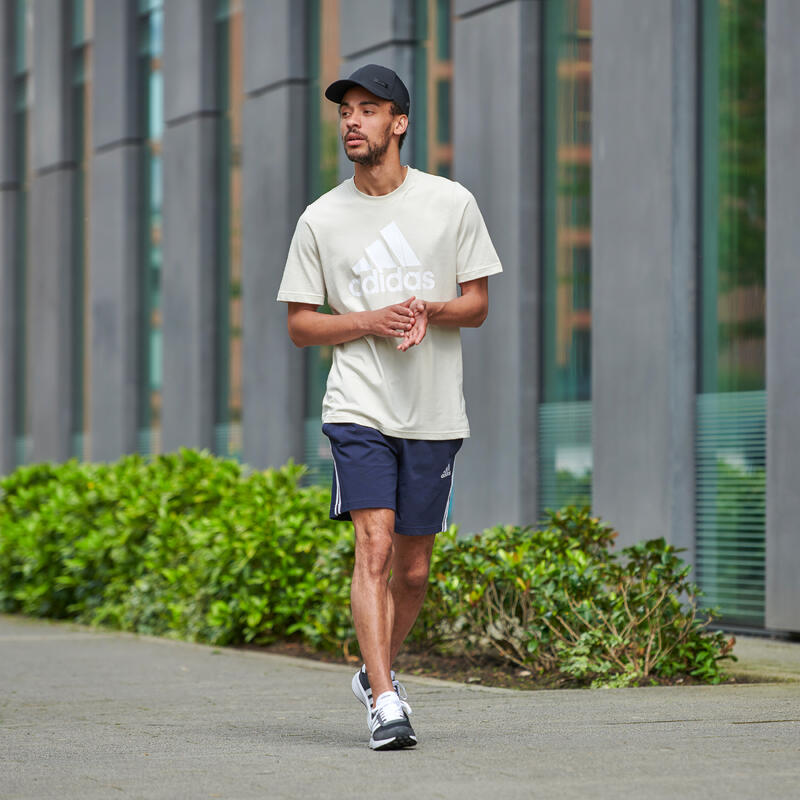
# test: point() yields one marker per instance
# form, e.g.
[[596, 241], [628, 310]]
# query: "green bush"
[[197, 547], [185, 544], [556, 600]]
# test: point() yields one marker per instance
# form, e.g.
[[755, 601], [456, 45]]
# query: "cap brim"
[[336, 91]]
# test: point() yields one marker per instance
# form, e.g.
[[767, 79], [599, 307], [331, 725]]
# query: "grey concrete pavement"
[[93, 714], [765, 660]]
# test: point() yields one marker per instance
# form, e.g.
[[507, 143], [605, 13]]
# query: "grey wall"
[[51, 280], [189, 277], [783, 319], [274, 195], [368, 26], [643, 262], [115, 234], [496, 151], [9, 192]]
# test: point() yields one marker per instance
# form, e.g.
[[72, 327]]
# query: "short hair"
[[396, 112]]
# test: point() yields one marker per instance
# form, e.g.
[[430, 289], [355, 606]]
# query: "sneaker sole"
[[395, 743]]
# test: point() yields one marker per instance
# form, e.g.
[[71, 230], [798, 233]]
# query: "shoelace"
[[400, 689], [389, 711], [402, 694]]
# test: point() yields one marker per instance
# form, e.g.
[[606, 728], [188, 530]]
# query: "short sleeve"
[[476, 256], [302, 281]]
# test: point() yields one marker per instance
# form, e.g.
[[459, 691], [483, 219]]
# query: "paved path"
[[87, 714]]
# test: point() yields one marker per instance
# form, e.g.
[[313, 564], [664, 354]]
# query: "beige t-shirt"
[[363, 253]]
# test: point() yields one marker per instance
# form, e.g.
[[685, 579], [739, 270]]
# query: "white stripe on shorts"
[[449, 496], [337, 503]]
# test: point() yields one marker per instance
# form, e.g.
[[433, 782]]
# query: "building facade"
[[636, 164]]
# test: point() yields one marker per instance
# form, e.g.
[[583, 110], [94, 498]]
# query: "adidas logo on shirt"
[[447, 473], [389, 266]]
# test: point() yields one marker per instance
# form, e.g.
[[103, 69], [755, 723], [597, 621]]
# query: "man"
[[388, 249]]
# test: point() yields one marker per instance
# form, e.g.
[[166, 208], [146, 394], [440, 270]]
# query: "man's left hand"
[[417, 331]]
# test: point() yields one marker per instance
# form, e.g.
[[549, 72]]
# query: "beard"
[[375, 150]]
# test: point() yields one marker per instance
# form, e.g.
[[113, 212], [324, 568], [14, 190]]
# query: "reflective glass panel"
[[565, 440], [229, 32], [730, 446], [151, 23], [323, 174], [431, 104], [733, 196], [21, 28], [82, 142]]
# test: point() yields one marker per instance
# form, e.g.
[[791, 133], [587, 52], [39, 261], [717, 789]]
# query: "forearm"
[[307, 326], [317, 328], [466, 311]]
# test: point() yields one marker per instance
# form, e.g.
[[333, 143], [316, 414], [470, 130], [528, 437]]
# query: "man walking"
[[389, 249]]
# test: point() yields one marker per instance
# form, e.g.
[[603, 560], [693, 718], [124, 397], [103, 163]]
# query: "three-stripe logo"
[[390, 264]]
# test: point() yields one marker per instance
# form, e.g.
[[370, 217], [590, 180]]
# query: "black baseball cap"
[[381, 81]]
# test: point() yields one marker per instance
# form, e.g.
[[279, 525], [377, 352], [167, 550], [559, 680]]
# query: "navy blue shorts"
[[413, 477]]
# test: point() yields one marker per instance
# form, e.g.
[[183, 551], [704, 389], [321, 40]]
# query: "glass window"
[[430, 132], [230, 92], [323, 175], [443, 30], [731, 405], [151, 24], [732, 276], [565, 432], [324, 65], [82, 129], [21, 59], [432, 151], [431, 103]]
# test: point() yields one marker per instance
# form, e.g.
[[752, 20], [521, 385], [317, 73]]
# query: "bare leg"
[[370, 599], [409, 583]]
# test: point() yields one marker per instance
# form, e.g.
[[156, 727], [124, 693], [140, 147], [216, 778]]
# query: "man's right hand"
[[395, 320], [308, 327]]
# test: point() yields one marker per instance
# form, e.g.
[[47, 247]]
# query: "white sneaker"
[[389, 725], [363, 692]]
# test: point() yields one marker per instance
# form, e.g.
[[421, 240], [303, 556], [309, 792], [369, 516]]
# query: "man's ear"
[[401, 124]]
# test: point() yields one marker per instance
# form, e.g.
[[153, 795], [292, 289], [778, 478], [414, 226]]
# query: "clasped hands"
[[407, 321]]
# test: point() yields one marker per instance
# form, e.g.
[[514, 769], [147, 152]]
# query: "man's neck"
[[380, 179]]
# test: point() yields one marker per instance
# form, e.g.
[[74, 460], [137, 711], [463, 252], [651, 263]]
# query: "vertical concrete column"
[[191, 198], [274, 195], [51, 284], [643, 267], [115, 239], [9, 192], [783, 321], [497, 142], [379, 33]]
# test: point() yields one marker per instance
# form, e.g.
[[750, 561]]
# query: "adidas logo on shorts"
[[447, 473]]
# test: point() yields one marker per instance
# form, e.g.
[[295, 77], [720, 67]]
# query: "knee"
[[374, 554], [414, 577]]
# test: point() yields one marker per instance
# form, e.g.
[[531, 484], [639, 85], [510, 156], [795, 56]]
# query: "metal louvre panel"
[[730, 485], [565, 454], [228, 440], [148, 441], [318, 457]]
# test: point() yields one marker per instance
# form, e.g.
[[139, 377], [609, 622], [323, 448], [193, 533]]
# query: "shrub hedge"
[[197, 547]]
